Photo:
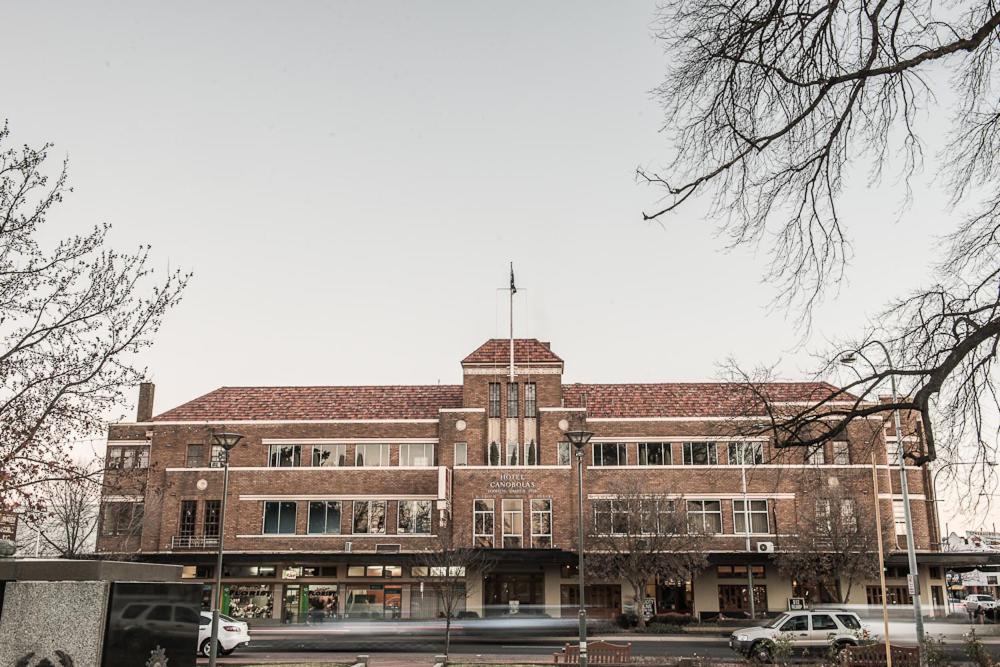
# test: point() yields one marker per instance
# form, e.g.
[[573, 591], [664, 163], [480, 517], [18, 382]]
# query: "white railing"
[[192, 542]]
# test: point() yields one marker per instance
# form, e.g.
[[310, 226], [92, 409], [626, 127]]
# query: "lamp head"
[[227, 440], [579, 438]]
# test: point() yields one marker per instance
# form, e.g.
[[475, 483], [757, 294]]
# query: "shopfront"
[[512, 592], [373, 601]]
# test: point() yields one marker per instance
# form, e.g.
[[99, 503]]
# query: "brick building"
[[334, 490]]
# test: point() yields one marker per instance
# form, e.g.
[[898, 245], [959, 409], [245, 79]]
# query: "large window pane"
[[483, 527], [371, 455], [746, 453], [700, 453], [369, 516], [279, 518], [610, 454], [654, 454], [415, 517], [284, 456], [329, 455], [513, 522], [324, 517], [421, 454]]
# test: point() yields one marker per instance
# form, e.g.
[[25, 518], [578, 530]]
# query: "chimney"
[[144, 410]]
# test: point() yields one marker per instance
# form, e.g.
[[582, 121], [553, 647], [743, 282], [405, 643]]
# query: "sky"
[[348, 182]]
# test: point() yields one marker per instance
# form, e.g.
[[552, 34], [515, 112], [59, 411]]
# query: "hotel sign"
[[509, 482]]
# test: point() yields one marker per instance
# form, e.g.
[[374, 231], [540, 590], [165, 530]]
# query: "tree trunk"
[[637, 598], [447, 632]]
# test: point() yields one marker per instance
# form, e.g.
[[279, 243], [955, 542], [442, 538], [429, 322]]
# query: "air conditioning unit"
[[347, 547], [765, 547]]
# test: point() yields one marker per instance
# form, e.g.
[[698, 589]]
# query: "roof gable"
[[496, 351]]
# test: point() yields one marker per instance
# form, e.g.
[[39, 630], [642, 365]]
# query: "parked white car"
[[813, 631], [232, 634], [977, 601]]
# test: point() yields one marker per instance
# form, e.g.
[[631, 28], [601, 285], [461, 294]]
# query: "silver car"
[[814, 631]]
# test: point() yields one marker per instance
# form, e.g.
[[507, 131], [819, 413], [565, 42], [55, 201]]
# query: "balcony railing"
[[193, 542]]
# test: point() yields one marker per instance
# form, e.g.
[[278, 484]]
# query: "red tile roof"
[[315, 403], [686, 399], [526, 351]]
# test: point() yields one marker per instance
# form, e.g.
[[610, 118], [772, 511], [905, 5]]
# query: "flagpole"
[[513, 290]]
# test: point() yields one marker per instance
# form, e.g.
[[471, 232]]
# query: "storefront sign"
[[795, 604], [508, 482], [649, 608], [8, 526]]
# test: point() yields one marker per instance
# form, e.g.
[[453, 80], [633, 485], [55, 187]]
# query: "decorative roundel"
[[563, 425], [460, 425], [202, 484]]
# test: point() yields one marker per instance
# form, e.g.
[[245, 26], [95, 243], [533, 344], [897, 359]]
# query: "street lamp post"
[[227, 441], [580, 440], [911, 551]]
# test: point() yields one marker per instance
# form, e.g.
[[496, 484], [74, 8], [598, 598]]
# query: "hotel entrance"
[[513, 592]]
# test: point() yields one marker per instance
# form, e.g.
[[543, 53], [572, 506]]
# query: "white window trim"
[[531, 522], [747, 515], [503, 533], [492, 512]]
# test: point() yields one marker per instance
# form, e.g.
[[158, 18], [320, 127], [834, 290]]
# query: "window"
[[369, 517], [421, 454], [494, 410], [655, 454], [326, 456], [121, 518], [284, 456], [324, 517], [611, 517], [848, 517], [121, 457], [704, 516], [189, 513], [374, 571], [371, 455], [218, 457], [563, 453], [798, 623], [513, 522], [746, 453], [513, 452], [816, 456], [279, 518], [530, 400], [610, 454], [850, 622], [841, 453], [482, 521], [512, 399], [899, 516], [531, 453], [752, 513], [195, 458], [541, 523], [461, 453], [700, 454], [493, 454], [823, 622], [740, 572], [414, 517], [213, 514]]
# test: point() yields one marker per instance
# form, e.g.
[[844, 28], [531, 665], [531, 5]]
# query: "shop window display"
[[246, 602]]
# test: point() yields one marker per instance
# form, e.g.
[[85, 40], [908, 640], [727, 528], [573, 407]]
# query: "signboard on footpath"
[[8, 526]]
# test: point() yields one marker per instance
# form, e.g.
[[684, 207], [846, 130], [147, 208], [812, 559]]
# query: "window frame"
[[117, 455], [336, 452], [644, 447], [530, 400], [197, 461], [414, 503], [841, 453], [478, 538], [620, 449], [564, 446], [816, 456], [369, 504], [711, 452], [513, 400], [493, 407], [546, 510], [748, 513], [737, 456], [282, 507], [275, 456], [326, 517], [704, 513], [212, 518], [384, 450], [462, 460], [410, 447], [186, 528], [516, 521]]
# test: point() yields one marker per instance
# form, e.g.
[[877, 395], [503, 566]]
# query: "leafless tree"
[[72, 318], [444, 569], [835, 541], [772, 105], [638, 535]]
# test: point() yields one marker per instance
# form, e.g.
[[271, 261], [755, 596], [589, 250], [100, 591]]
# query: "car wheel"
[[206, 649], [760, 652], [223, 651], [842, 645]]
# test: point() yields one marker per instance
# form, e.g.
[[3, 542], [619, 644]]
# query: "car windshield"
[[776, 622], [986, 598]]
